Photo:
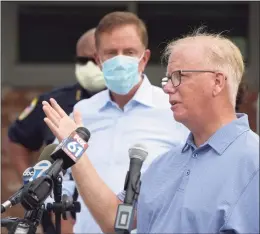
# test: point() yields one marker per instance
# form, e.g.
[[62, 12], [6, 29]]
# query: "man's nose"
[[167, 85]]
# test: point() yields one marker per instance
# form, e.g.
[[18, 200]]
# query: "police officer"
[[29, 132]]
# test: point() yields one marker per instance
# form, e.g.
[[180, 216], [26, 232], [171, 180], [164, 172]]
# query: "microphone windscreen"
[[138, 151], [45, 155]]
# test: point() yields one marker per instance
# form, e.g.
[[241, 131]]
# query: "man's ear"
[[97, 60], [145, 60], [220, 82]]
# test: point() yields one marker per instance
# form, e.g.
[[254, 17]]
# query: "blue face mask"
[[121, 73]]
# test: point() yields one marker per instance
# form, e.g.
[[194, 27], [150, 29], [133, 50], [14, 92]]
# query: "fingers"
[[57, 108], [58, 121], [52, 127], [51, 114], [77, 118]]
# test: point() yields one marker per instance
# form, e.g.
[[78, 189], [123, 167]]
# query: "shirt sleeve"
[[121, 196], [244, 217], [27, 128]]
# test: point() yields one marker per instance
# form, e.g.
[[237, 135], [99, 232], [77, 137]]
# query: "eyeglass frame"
[[181, 71]]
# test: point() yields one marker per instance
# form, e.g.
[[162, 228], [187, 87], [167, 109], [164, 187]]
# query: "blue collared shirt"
[[146, 119], [209, 189]]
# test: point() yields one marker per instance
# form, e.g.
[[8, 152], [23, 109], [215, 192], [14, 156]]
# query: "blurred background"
[[38, 49]]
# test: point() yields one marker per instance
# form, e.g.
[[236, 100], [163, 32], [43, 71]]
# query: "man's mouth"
[[174, 103]]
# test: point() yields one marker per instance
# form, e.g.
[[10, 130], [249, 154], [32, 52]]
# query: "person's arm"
[[19, 155], [98, 197]]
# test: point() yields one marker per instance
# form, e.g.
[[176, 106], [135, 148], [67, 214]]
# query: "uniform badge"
[[28, 109], [78, 95]]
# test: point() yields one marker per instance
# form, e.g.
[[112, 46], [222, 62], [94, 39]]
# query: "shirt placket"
[[188, 171], [117, 135]]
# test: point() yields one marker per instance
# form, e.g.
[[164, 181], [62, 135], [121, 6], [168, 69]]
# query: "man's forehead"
[[175, 60], [183, 57], [122, 37]]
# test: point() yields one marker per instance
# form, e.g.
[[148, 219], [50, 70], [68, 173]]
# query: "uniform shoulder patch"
[[78, 95], [28, 109]]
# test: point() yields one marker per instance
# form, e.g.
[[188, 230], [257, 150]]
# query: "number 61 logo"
[[75, 146]]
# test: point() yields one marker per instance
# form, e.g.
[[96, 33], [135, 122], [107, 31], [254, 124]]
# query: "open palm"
[[58, 121]]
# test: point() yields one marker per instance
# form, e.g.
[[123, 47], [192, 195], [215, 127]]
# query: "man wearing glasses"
[[29, 132], [210, 184], [242, 89]]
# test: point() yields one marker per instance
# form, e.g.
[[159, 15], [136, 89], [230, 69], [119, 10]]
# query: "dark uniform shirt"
[[30, 130]]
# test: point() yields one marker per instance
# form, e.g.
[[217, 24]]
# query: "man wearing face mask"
[[131, 111], [29, 132]]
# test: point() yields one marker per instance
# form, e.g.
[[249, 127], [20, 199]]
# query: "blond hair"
[[221, 53]]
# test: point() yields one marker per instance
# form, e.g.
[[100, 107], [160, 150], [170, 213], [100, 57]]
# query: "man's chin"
[[178, 116]]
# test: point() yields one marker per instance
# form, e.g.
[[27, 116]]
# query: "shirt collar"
[[143, 95], [221, 139]]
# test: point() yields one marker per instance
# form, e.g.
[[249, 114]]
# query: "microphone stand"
[[66, 204], [29, 224], [61, 204], [57, 190]]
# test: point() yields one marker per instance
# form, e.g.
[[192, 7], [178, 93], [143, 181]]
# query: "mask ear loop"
[[141, 57], [141, 73]]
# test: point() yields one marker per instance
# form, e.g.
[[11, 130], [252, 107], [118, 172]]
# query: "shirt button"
[[187, 172], [195, 155]]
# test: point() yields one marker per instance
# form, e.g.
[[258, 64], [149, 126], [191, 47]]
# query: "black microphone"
[[8, 222], [125, 211], [137, 155], [29, 175], [70, 149], [65, 155]]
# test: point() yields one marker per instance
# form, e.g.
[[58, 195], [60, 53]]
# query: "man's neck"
[[203, 130], [122, 100]]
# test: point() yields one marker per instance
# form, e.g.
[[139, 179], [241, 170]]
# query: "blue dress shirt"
[[213, 188]]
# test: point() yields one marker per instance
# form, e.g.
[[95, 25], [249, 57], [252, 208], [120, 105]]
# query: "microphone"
[[65, 155], [125, 211], [137, 155], [8, 222], [38, 170], [71, 149], [29, 175]]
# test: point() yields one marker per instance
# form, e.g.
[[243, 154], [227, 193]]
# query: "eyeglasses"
[[175, 77], [82, 60]]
